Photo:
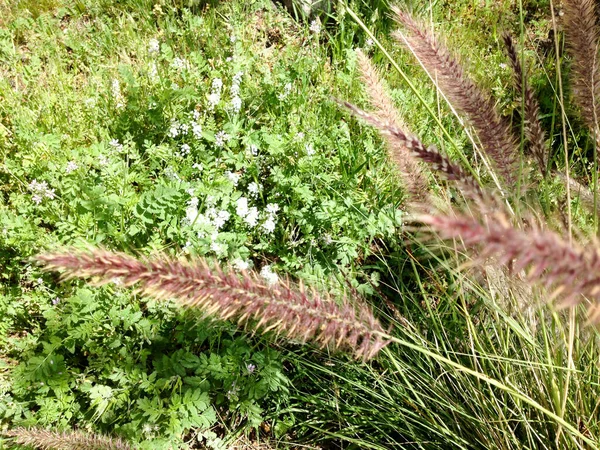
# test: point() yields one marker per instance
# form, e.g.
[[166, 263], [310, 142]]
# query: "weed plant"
[[155, 128]]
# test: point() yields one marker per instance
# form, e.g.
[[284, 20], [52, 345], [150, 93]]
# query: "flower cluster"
[[177, 129], [236, 101], [248, 214], [179, 64], [269, 225], [40, 190], [269, 276], [153, 47], [215, 95], [117, 95], [71, 167]]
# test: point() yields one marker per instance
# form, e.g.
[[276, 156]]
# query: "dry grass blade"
[[385, 110], [286, 310], [494, 133], [68, 440], [533, 128], [583, 39], [417, 149], [569, 272]]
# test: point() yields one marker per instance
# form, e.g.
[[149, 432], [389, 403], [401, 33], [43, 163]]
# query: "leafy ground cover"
[[210, 131]]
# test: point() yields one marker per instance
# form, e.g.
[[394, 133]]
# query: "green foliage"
[[205, 132], [129, 366]]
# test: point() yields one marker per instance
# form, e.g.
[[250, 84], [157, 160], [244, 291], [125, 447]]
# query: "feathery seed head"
[[243, 297], [67, 440], [494, 133], [571, 273]]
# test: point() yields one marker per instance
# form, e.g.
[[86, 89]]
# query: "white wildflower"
[[237, 78], [184, 128], [267, 273], [232, 38], [184, 151], [171, 173], [240, 265], [174, 130], [114, 143], [315, 26], [310, 150], [191, 213], [269, 225], [153, 46], [103, 161], [300, 136], [199, 167], [272, 208], [242, 206], [217, 85], [287, 89], [253, 150], [233, 177], [71, 166], [117, 95], [178, 64], [219, 248], [254, 189], [196, 114], [197, 130], [220, 138], [252, 217], [39, 191], [90, 102], [214, 99], [221, 218], [236, 104]]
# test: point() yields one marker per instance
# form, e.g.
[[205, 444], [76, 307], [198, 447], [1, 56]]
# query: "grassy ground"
[[210, 130]]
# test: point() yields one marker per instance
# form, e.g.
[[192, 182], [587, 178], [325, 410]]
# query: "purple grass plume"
[[430, 155], [583, 39], [284, 309], [384, 109], [569, 272], [494, 132], [67, 440], [533, 127]]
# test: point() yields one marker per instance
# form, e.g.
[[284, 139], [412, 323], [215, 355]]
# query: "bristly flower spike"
[[67, 440], [288, 311], [429, 155], [533, 127], [494, 132], [387, 113], [583, 39], [571, 273]]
